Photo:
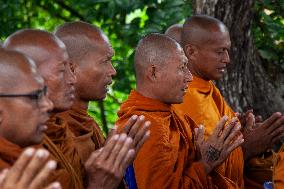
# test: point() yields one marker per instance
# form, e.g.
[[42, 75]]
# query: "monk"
[[174, 31], [206, 43], [91, 53], [24, 109], [174, 156], [104, 167]]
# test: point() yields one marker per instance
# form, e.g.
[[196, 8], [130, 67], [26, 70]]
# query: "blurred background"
[[254, 79]]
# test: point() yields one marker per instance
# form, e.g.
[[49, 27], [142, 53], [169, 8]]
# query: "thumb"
[[250, 121], [200, 134]]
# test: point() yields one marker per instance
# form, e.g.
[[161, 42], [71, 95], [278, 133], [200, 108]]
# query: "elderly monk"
[[91, 53], [173, 157], [206, 43], [174, 31], [104, 166], [24, 109]]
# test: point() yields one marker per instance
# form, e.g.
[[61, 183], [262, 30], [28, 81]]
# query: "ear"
[[1, 117], [152, 72], [190, 51]]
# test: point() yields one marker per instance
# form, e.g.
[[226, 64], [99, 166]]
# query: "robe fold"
[[278, 169], [85, 131], [204, 104], [168, 159], [59, 142], [9, 153]]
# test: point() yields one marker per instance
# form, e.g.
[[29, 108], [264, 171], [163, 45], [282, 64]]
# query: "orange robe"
[[204, 104], [168, 159], [278, 172], [9, 153], [85, 131], [59, 142]]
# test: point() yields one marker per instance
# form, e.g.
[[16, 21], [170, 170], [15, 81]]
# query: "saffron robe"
[[9, 153], [59, 142], [168, 159], [278, 169], [204, 104], [85, 131]]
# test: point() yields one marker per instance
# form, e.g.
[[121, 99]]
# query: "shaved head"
[[22, 116], [88, 48], [80, 38], [174, 31], [197, 29], [154, 49], [51, 57], [161, 68], [37, 44], [15, 68]]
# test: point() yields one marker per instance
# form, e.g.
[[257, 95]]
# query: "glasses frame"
[[35, 95]]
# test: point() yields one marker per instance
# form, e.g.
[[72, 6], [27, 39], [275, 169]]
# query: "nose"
[[46, 104], [226, 58], [112, 71], [70, 76], [188, 76]]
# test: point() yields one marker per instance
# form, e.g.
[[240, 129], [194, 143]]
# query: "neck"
[[195, 72], [146, 92], [81, 104]]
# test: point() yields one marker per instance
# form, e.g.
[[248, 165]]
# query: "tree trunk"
[[246, 84]]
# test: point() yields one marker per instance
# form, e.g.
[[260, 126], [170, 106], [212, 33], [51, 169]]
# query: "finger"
[[276, 124], [40, 179], [112, 132], [250, 121], [200, 134], [228, 129], [17, 169], [141, 133], [123, 152], [108, 147], [33, 167], [232, 135], [93, 157], [129, 124], [235, 144], [116, 149], [3, 175], [134, 129], [129, 158], [258, 119], [141, 142], [268, 122], [278, 137], [54, 185], [220, 126]]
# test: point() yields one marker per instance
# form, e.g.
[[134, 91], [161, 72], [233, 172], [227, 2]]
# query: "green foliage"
[[268, 30], [125, 22]]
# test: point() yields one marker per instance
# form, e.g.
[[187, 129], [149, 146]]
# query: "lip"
[[71, 92]]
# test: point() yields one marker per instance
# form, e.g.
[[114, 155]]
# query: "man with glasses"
[[24, 109]]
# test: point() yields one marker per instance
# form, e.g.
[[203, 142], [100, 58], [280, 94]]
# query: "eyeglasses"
[[35, 95]]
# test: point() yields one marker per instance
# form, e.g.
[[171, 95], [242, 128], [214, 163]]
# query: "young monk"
[[91, 53], [24, 109], [53, 63], [173, 157], [174, 31], [206, 43]]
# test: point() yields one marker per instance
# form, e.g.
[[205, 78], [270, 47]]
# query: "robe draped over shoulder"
[[9, 153], [204, 104], [85, 131], [59, 142], [168, 159]]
